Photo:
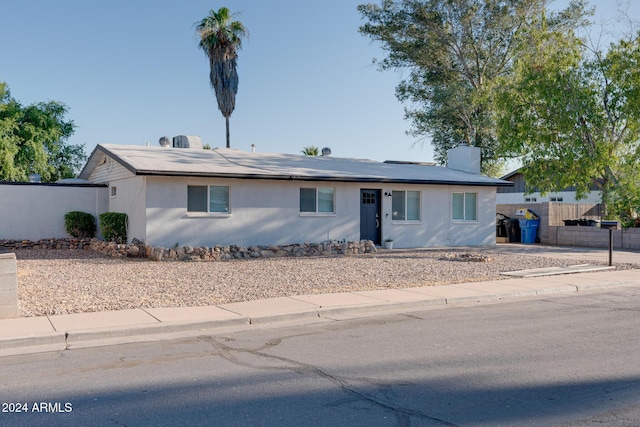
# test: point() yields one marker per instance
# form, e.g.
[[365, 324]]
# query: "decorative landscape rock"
[[65, 281], [138, 249], [467, 257]]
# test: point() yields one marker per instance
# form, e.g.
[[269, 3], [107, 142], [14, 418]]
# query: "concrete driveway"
[[568, 252]]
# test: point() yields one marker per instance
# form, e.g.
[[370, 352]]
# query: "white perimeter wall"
[[567, 197], [36, 211], [267, 212]]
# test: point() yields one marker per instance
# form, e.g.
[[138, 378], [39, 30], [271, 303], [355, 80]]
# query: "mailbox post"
[[610, 225]]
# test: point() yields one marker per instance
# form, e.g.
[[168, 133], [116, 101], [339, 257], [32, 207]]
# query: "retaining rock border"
[[138, 249]]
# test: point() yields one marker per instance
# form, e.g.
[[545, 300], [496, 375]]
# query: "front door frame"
[[375, 218]]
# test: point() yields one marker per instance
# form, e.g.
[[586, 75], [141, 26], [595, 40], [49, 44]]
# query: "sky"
[[130, 72]]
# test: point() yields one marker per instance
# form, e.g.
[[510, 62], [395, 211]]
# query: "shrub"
[[114, 226], [80, 225]]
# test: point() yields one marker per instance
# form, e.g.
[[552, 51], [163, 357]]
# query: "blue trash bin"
[[529, 230]]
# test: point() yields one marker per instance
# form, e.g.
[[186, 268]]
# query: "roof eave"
[[322, 178]]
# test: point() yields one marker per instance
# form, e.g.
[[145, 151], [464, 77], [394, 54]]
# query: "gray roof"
[[232, 163], [512, 173]]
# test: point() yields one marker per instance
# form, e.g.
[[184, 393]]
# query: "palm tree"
[[220, 39], [311, 150]]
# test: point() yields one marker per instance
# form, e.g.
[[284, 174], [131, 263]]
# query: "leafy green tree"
[[220, 39], [625, 197], [311, 150], [33, 139], [573, 116], [454, 50]]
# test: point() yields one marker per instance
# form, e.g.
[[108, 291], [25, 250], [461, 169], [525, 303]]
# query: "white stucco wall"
[[267, 212], [474, 233], [36, 211], [130, 198], [262, 212], [437, 227]]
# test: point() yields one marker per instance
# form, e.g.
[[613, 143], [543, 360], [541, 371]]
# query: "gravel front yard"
[[72, 281]]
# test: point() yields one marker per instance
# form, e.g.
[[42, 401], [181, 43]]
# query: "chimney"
[[184, 141], [464, 158]]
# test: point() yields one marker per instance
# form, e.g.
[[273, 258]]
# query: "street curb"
[[377, 308], [286, 317], [152, 329], [607, 285], [564, 289], [472, 298], [47, 339]]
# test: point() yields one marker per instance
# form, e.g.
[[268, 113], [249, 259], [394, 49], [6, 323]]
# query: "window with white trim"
[[317, 200], [405, 205], [114, 192], [464, 206], [208, 199], [557, 199]]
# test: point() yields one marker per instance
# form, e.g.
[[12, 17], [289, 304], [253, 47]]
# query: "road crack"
[[345, 384]]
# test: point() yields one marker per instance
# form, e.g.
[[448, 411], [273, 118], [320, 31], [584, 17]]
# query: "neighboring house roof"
[[520, 184], [512, 173], [232, 163]]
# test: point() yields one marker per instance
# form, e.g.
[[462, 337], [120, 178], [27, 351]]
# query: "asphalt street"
[[557, 360]]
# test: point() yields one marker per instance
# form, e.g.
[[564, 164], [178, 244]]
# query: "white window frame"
[[113, 192], [317, 204], [406, 210], [208, 211], [464, 207], [531, 199]]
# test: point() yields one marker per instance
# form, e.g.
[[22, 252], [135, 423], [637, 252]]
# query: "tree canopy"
[[454, 50], [33, 139], [220, 39], [572, 114]]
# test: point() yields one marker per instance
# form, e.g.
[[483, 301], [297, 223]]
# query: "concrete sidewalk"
[[58, 332]]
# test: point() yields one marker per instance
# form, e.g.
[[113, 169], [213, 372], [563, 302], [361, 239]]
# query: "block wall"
[[594, 237], [8, 286]]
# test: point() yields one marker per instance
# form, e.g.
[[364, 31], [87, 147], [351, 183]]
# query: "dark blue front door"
[[370, 215]]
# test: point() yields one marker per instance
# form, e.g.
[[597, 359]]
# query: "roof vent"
[[165, 141], [326, 151]]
